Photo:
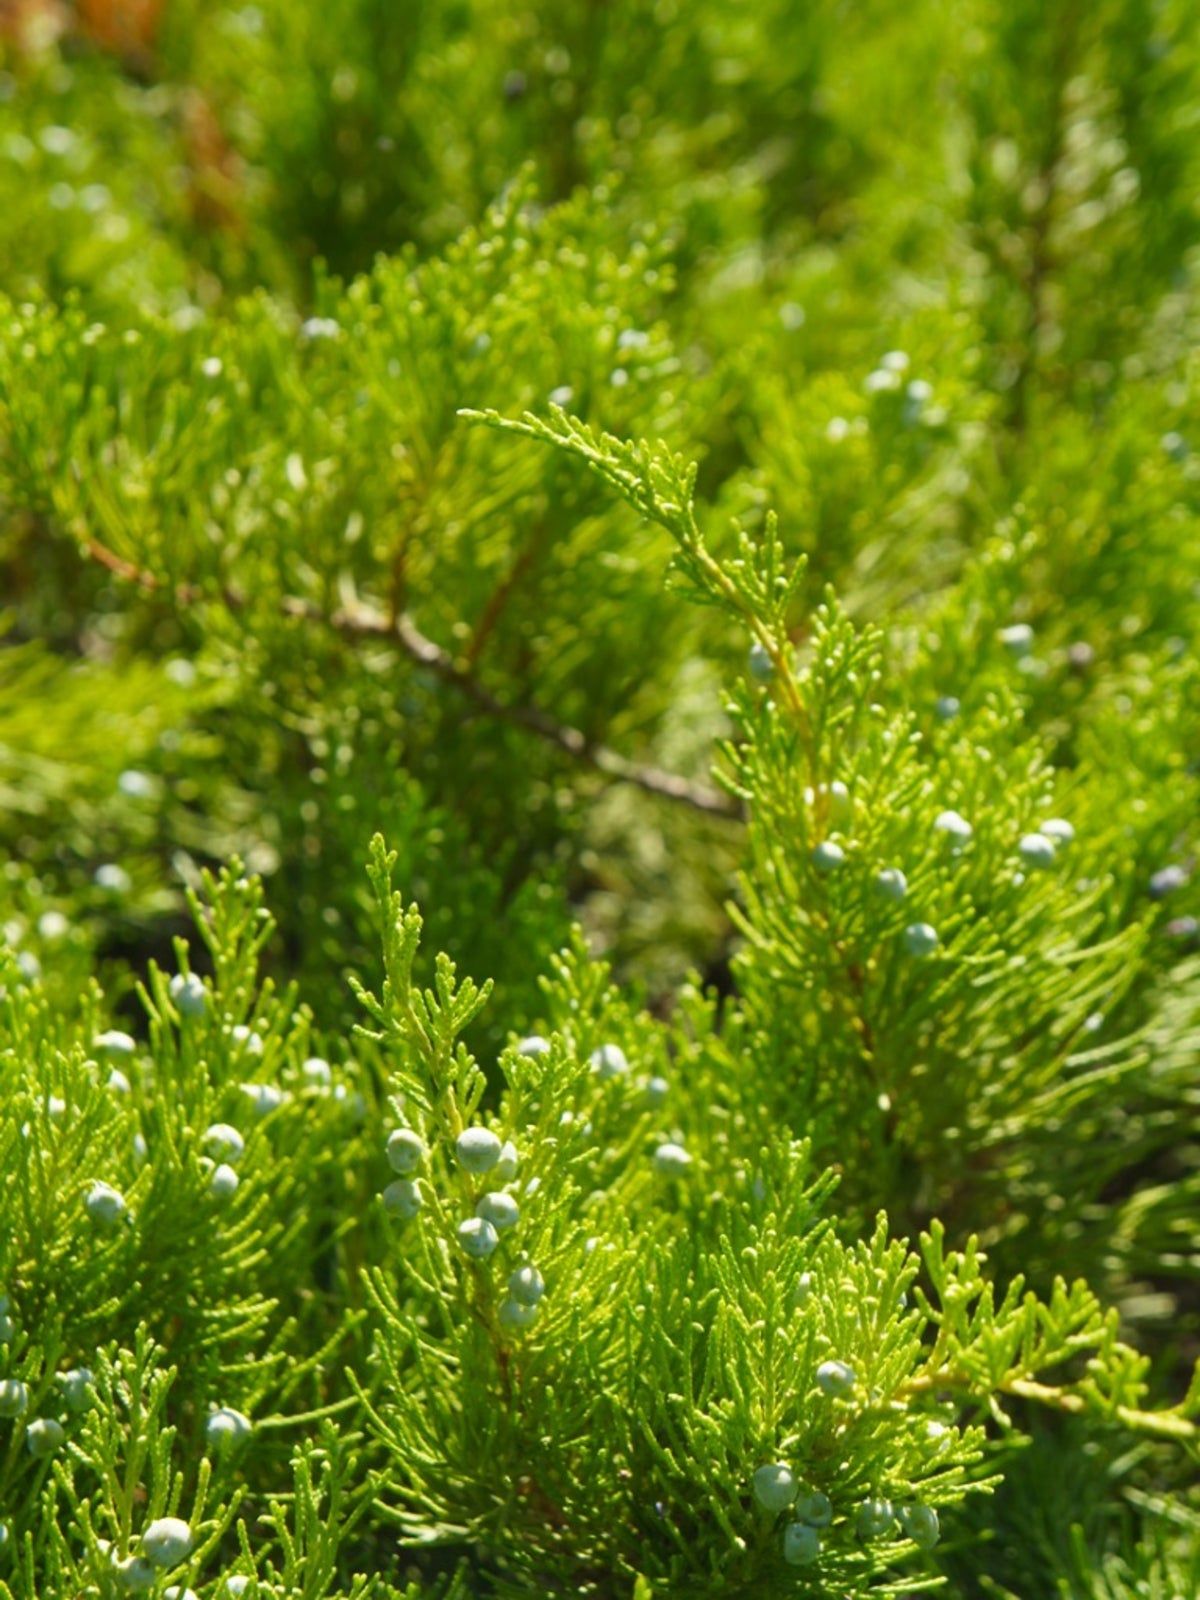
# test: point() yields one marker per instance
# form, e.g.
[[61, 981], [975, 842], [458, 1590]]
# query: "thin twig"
[[360, 621]]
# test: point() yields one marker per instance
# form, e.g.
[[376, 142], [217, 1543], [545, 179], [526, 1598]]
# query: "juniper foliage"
[[703, 500]]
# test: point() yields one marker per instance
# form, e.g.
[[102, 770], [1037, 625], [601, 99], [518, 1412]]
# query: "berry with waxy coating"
[[657, 1090], [224, 1143], [104, 1204], [526, 1285], [500, 1209], [250, 1041], [402, 1198], [835, 1378], [954, 826], [609, 1061], [115, 1043], [263, 1097], [478, 1150], [828, 856], [801, 1544], [135, 1574], [1018, 638], [77, 1388], [188, 993], [318, 1072], [478, 1237], [775, 1486], [14, 1397], [920, 939], [224, 1181], [816, 1509], [1037, 850], [167, 1541], [227, 1427], [875, 1519], [505, 1169], [802, 1293], [947, 706], [1166, 881], [405, 1150], [920, 1523], [759, 663], [516, 1314], [891, 883], [671, 1159], [534, 1045], [1058, 829], [43, 1436]]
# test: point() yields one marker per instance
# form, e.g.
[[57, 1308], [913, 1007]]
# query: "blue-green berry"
[[318, 1072], [505, 1169], [947, 707], [44, 1436], [263, 1097], [835, 1378], [105, 1205], [135, 1575], [534, 1045], [188, 993], [816, 1509], [223, 1142], [1166, 881], [672, 1160], [500, 1209], [920, 939], [657, 1090], [515, 1313], [14, 1397], [1037, 850], [405, 1150], [828, 856], [1058, 829], [920, 1523], [1018, 638], [478, 1150], [224, 1182], [802, 1290], [759, 664], [77, 1388], [609, 1061], [774, 1486], [113, 1042], [167, 1541], [402, 1198], [227, 1427], [954, 826], [875, 1519], [801, 1544], [112, 877], [526, 1285], [478, 1237], [891, 883]]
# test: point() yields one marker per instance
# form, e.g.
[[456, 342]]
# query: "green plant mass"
[[599, 799]]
